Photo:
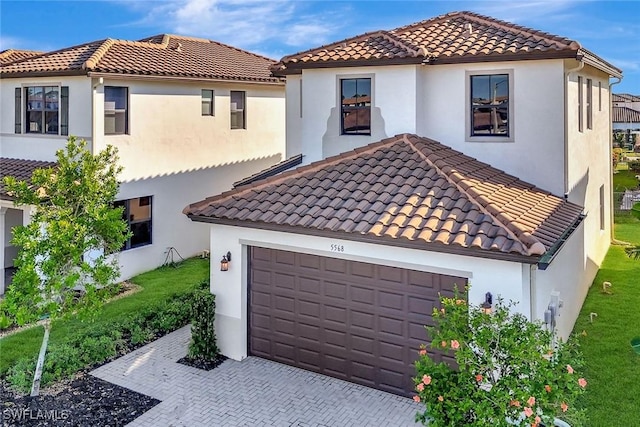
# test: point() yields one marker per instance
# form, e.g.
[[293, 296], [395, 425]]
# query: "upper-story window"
[[46, 110], [589, 104], [116, 110], [489, 102], [207, 102], [355, 96], [238, 110]]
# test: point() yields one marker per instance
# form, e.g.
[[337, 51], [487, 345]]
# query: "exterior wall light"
[[224, 263], [487, 305]]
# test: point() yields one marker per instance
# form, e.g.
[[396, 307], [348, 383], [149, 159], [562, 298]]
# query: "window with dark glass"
[[238, 113], [116, 117], [43, 110], [137, 213], [355, 95], [580, 105], [490, 105], [207, 102]]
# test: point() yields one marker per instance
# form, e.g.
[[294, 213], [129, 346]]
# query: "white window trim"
[[467, 106]]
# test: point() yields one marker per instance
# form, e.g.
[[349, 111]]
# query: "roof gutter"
[[550, 255], [403, 243], [182, 79]]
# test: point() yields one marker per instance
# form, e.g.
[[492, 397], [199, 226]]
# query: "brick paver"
[[253, 392]]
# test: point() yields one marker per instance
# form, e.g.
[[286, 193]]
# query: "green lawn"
[[623, 180], [157, 285], [613, 369]]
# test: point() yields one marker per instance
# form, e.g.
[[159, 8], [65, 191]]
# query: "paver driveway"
[[254, 392]]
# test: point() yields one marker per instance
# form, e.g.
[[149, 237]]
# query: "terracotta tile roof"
[[454, 37], [625, 97], [12, 55], [405, 189], [625, 115], [162, 55], [19, 168]]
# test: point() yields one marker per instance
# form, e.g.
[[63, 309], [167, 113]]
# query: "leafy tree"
[[63, 265]]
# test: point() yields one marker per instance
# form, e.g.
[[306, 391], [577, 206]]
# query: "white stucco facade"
[[171, 151], [544, 147]]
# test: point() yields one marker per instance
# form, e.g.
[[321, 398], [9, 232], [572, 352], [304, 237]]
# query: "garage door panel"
[[335, 290], [309, 285], [351, 320]]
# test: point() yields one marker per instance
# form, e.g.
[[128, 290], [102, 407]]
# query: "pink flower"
[[582, 382], [426, 379], [515, 403], [455, 344], [416, 399], [459, 301], [478, 377], [547, 388], [443, 344], [537, 420], [531, 401], [442, 310], [564, 407], [423, 352], [420, 387], [569, 369], [440, 399], [528, 411]]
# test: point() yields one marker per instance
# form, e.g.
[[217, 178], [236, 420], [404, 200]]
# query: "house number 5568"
[[337, 248]]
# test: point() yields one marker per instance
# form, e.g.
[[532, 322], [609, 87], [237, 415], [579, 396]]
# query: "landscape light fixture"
[[224, 263]]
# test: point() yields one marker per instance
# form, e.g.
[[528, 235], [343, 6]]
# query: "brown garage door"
[[351, 320]]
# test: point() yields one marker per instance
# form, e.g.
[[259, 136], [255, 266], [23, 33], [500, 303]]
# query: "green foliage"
[[634, 165], [203, 343], [508, 372], [74, 216], [103, 340]]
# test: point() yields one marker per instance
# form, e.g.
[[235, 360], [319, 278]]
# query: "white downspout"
[[611, 207], [94, 133], [532, 293], [566, 124]]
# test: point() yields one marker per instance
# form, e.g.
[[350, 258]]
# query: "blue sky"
[[276, 28]]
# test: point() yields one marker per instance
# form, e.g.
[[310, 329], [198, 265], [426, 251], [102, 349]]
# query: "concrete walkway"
[[254, 392]]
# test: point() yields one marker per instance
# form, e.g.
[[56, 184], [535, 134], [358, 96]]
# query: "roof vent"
[[468, 29], [178, 48]]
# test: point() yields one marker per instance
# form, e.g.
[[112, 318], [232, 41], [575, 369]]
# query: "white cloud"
[[242, 23], [11, 42], [518, 12]]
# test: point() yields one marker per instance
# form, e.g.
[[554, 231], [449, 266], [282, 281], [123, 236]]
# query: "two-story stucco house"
[[457, 150], [186, 114]]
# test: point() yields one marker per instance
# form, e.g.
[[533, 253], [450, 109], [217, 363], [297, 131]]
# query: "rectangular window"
[[589, 104], [599, 96], [580, 105], [18, 111], [238, 112], [137, 214], [207, 102], [116, 115], [602, 207], [43, 110], [355, 95], [490, 105]]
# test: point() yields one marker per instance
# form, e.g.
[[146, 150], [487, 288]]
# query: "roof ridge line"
[[97, 55], [535, 248], [277, 179], [415, 52]]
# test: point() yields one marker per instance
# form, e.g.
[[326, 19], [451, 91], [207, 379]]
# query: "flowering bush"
[[508, 371]]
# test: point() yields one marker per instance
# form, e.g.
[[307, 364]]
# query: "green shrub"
[[20, 375], [5, 321], [203, 343], [634, 165]]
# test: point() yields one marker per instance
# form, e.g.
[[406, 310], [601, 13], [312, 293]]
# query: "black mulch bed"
[[84, 401], [207, 365]]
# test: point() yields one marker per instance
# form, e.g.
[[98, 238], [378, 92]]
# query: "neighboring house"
[[12, 55], [186, 114], [337, 265], [626, 113]]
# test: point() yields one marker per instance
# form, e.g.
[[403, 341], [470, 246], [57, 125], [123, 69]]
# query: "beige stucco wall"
[[168, 134], [502, 278], [42, 146]]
